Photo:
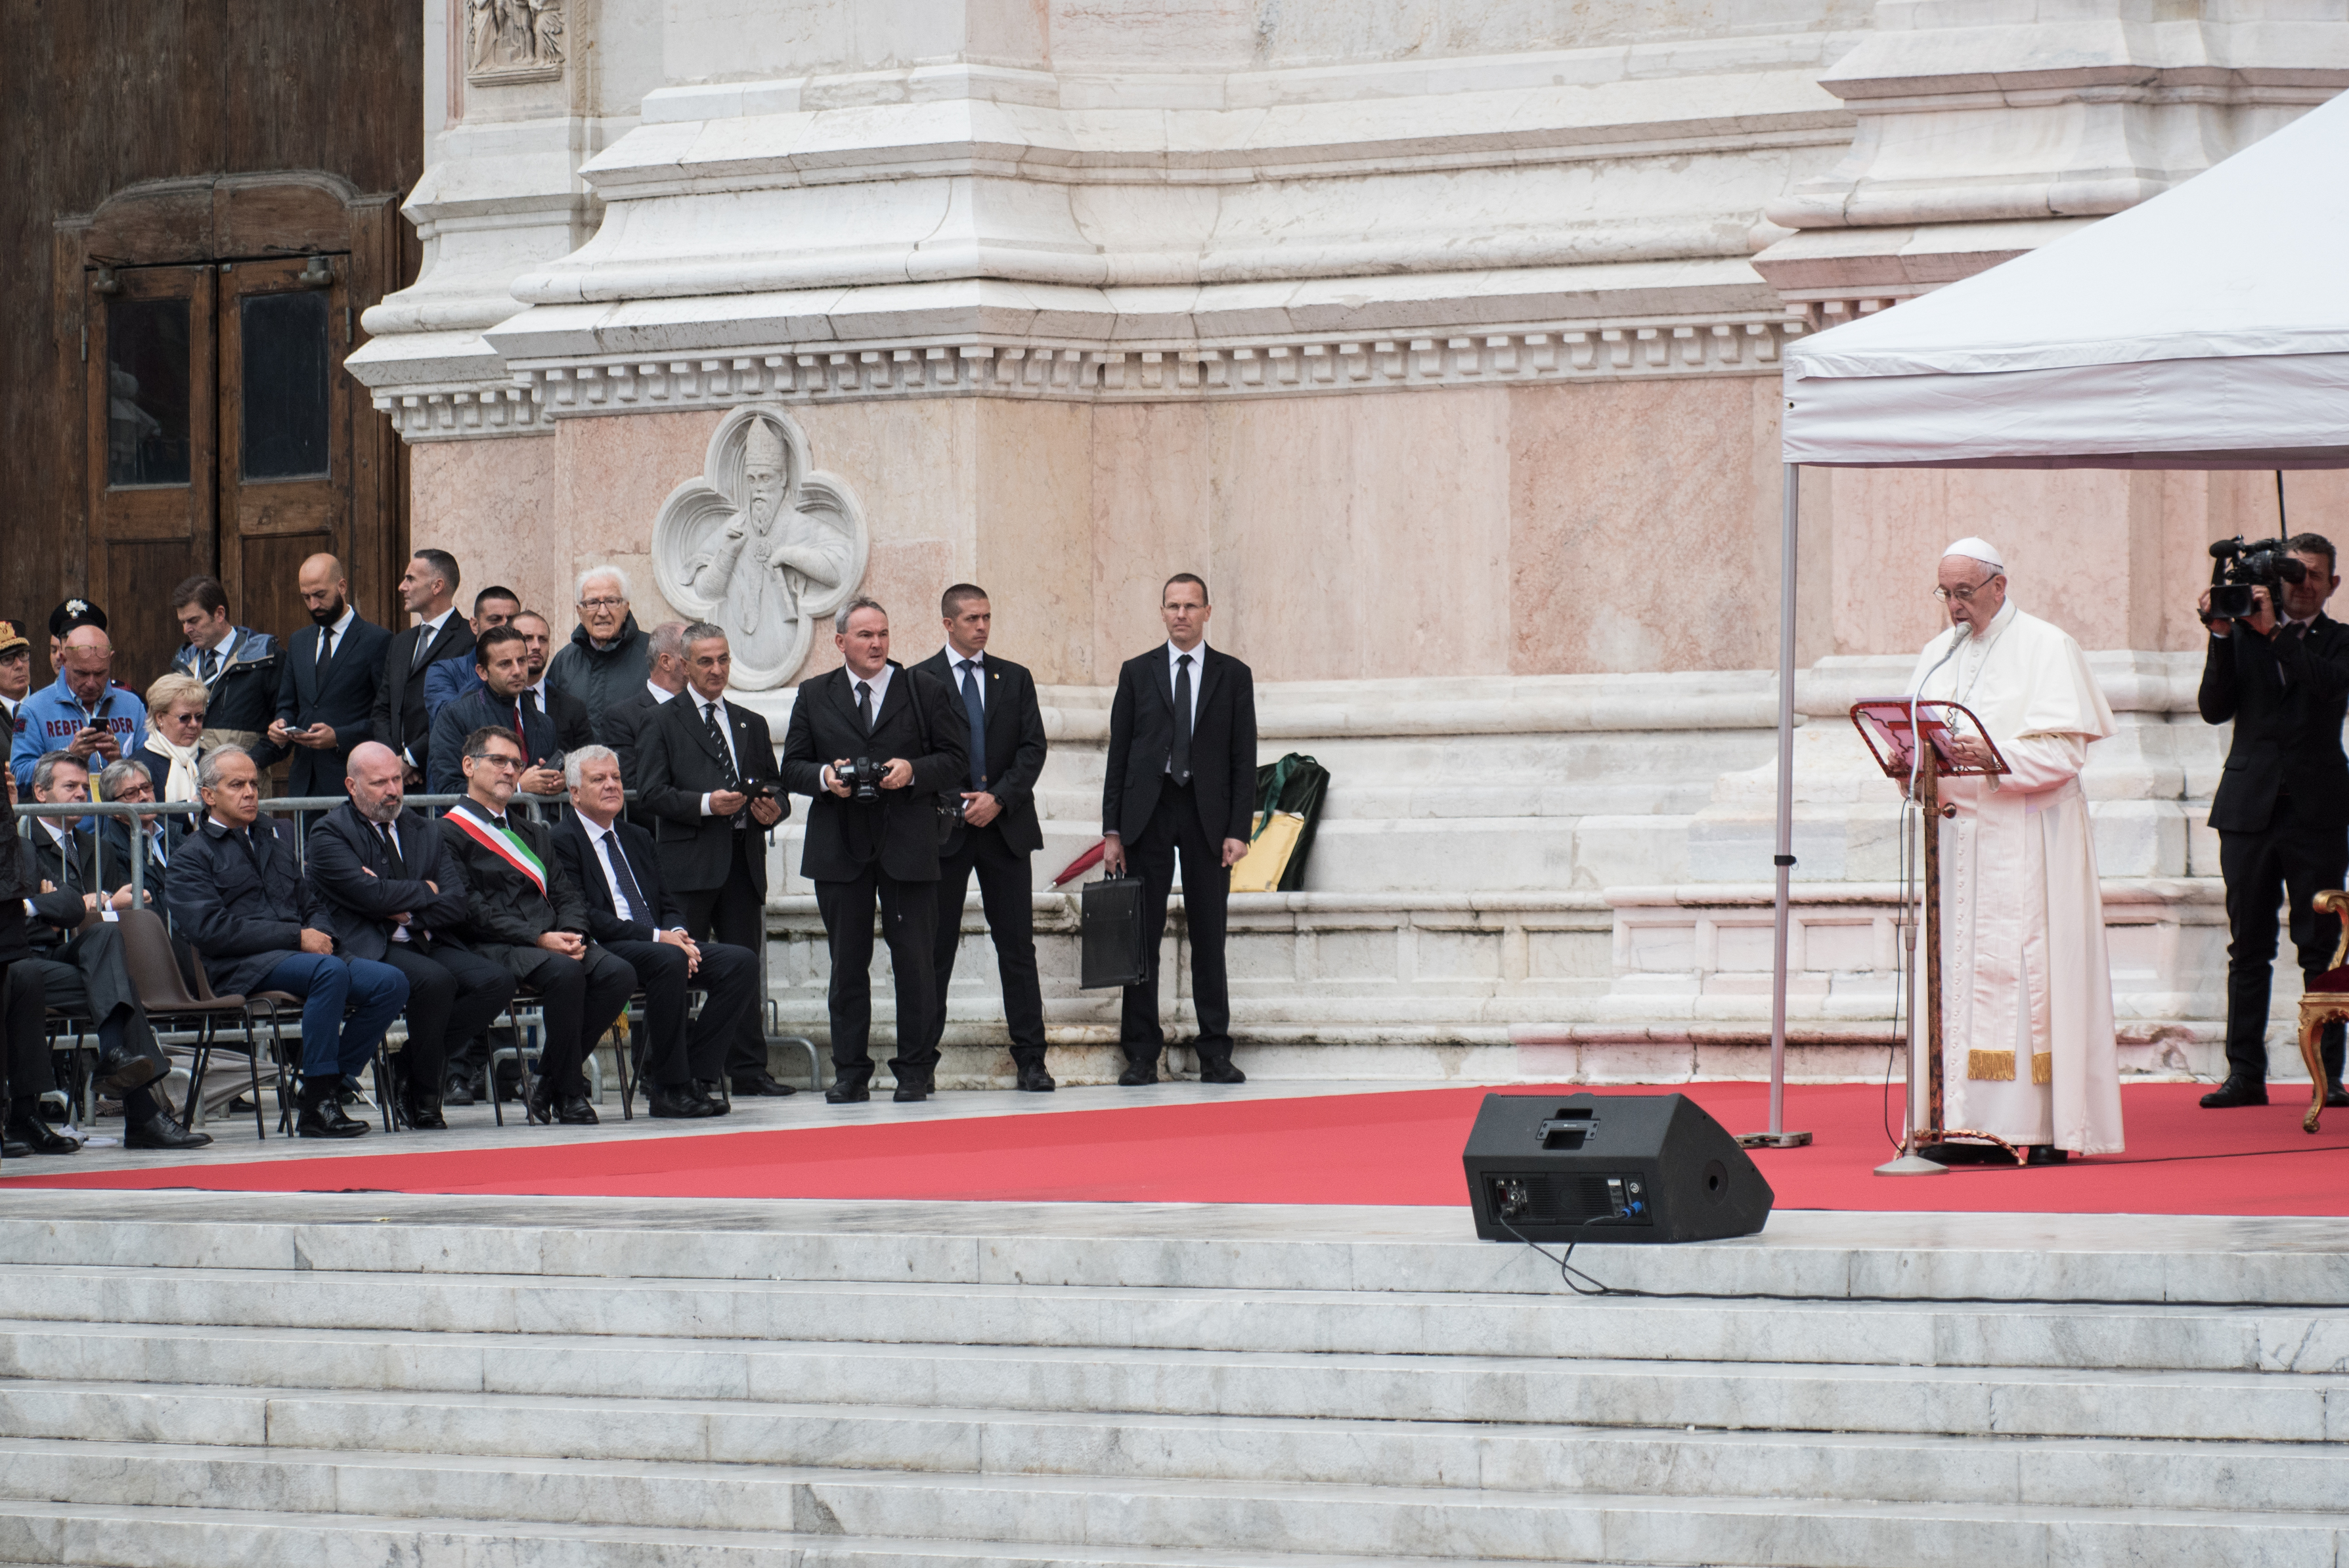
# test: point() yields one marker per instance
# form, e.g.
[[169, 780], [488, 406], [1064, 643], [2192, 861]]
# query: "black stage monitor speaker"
[[1609, 1168]]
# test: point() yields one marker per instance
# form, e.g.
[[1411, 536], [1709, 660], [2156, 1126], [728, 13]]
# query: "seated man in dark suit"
[[875, 839], [325, 683], [121, 837], [522, 910], [77, 961], [237, 893], [711, 785], [505, 701], [393, 892], [630, 914]]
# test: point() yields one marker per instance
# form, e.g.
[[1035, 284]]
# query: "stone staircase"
[[362, 1380]]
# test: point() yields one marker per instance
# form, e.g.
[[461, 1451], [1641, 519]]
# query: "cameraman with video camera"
[[2281, 809]]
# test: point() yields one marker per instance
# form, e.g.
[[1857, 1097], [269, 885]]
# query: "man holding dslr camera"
[[876, 745], [2281, 809]]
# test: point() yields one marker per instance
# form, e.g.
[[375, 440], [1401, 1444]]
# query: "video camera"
[[2237, 567]]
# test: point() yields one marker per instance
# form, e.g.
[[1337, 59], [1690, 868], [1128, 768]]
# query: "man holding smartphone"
[[84, 715]]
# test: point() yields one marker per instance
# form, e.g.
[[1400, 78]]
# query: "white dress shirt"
[[880, 684], [341, 629], [660, 692]]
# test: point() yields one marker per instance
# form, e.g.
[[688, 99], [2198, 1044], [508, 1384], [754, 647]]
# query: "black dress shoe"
[[1034, 1079], [1136, 1074], [162, 1130], [2235, 1092], [31, 1135], [844, 1093], [677, 1100], [12, 1150], [1220, 1072], [540, 1104], [124, 1069], [424, 1115], [2045, 1154], [761, 1084], [2335, 1097], [572, 1110], [458, 1090], [708, 1089], [908, 1093], [322, 1114]]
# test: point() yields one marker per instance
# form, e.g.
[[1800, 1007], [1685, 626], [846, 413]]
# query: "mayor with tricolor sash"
[[525, 911]]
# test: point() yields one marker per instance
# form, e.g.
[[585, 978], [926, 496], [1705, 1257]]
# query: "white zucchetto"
[[1980, 549]]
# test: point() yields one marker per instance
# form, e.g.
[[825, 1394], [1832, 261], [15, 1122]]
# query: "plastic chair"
[[164, 991]]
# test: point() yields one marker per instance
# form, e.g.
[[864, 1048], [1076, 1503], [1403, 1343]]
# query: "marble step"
[[1983, 1257], [1364, 1522], [2012, 1402], [2004, 1335], [2285, 1478]]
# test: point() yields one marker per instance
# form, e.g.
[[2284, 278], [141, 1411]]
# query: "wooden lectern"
[[1891, 726]]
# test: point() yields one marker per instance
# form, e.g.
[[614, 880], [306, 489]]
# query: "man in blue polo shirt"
[[85, 714]]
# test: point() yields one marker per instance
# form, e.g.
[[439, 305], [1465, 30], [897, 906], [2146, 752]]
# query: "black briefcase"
[[1111, 917]]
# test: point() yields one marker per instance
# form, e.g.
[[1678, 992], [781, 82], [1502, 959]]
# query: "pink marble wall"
[[1562, 529]]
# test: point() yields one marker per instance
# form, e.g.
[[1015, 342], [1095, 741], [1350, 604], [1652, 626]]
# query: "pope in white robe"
[[2028, 1052]]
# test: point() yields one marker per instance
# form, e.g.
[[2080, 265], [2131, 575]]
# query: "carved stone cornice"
[[543, 392]]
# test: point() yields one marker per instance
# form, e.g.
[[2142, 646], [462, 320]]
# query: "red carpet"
[[1398, 1148]]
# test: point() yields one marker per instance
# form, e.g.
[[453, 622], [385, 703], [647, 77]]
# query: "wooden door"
[[154, 410], [284, 430]]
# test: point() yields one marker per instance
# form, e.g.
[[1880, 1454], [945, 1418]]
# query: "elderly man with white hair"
[[2027, 1041], [608, 659]]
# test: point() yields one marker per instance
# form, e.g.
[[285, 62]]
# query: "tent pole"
[[1789, 526]]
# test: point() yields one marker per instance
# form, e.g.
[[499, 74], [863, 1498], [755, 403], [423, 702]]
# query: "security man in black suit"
[[876, 838], [708, 778], [427, 590], [1004, 730], [631, 915], [393, 892], [2281, 809], [1181, 779], [325, 683]]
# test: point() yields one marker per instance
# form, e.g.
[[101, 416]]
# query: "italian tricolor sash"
[[504, 843]]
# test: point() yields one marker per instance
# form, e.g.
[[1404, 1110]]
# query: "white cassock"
[[2027, 1041]]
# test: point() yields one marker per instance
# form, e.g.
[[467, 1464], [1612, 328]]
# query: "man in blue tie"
[[998, 831]]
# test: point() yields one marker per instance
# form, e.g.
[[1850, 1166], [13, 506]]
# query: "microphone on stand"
[[1916, 740]]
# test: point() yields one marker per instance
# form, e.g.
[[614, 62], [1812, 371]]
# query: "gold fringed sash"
[[1998, 1067]]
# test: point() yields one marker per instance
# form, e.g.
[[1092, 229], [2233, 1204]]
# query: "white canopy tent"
[[2207, 328]]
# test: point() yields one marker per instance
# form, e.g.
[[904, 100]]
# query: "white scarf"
[[181, 784]]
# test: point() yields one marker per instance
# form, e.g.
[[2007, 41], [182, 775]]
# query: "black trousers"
[[1004, 885], [2288, 863], [735, 913], [22, 1002], [729, 979], [452, 995], [1207, 890], [909, 919], [580, 998], [88, 978]]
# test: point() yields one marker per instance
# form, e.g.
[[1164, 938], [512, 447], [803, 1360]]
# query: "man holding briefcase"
[[1181, 779], [876, 744]]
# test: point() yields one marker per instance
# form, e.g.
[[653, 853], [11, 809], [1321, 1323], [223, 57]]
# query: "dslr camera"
[[2237, 567], [863, 777]]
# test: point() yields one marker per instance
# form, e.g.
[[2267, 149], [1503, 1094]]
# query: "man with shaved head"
[[326, 688], [393, 892], [84, 715]]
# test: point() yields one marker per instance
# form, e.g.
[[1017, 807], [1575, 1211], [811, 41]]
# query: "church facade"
[[1442, 338]]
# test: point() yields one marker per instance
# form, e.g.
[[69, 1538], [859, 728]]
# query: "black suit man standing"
[[2282, 807], [1181, 778], [325, 686], [1005, 729], [884, 846], [631, 915], [393, 892], [625, 721], [700, 762], [427, 590]]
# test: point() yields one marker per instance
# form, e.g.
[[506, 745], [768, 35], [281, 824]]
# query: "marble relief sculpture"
[[513, 40], [759, 544]]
